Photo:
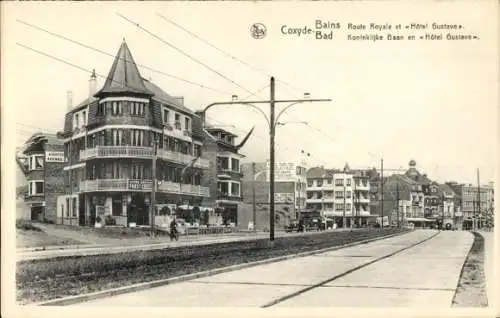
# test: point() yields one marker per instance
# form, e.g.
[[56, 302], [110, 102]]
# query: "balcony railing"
[[140, 152], [141, 185]]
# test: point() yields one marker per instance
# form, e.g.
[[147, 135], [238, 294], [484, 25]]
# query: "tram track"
[[345, 273]]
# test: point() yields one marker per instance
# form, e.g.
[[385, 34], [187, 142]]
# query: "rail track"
[[347, 272], [180, 261]]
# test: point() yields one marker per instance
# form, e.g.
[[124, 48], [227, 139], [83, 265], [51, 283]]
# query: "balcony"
[[141, 153], [320, 200], [116, 152], [224, 173], [363, 187], [136, 185]]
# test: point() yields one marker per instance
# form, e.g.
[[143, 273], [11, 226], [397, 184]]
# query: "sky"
[[432, 101]]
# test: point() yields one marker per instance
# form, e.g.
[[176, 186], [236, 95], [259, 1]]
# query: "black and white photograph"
[[305, 158]]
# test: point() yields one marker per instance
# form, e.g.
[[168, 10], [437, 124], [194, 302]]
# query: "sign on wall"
[[283, 198], [54, 156], [283, 171]]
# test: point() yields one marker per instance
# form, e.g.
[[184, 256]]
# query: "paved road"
[[425, 274], [29, 254]]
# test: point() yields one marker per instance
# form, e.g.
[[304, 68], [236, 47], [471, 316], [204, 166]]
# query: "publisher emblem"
[[258, 30]]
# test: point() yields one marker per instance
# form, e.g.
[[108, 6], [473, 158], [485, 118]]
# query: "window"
[[197, 151], [116, 171], [177, 121], [223, 163], [101, 109], [165, 116], [339, 207], [75, 121], [187, 123], [235, 189], [235, 165], [74, 209], [84, 118], [137, 171], [36, 162], [339, 194], [137, 109], [348, 182], [348, 194], [348, 206], [116, 108], [67, 207], [329, 181], [117, 137], [136, 137], [320, 183], [339, 182], [36, 187]]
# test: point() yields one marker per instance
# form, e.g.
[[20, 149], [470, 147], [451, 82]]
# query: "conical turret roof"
[[124, 77]]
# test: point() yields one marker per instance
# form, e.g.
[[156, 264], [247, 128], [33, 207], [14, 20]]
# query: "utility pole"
[[478, 214], [253, 199], [271, 162], [153, 189], [382, 193], [397, 203], [272, 121]]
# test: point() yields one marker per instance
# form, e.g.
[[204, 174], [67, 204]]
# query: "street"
[[119, 247], [420, 268]]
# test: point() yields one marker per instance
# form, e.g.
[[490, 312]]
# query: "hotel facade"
[[130, 136]]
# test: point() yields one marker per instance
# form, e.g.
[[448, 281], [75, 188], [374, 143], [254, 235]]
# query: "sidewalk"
[[489, 257]]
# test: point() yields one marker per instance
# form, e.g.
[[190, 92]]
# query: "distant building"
[[467, 198], [42, 160], [290, 191], [340, 194], [421, 201]]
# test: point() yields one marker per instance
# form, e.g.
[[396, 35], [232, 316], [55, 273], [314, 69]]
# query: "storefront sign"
[[54, 156]]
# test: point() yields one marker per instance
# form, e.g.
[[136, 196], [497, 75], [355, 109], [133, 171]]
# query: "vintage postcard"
[[222, 158]]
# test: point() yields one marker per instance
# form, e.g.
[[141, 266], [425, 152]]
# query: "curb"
[[148, 285]]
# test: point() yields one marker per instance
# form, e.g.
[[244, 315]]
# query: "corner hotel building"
[[109, 143]]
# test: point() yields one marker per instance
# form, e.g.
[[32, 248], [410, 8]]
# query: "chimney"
[[69, 100], [92, 84]]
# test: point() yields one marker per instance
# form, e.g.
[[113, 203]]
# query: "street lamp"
[[272, 123]]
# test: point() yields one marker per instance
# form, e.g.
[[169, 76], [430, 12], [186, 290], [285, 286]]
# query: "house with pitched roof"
[[41, 161], [110, 140]]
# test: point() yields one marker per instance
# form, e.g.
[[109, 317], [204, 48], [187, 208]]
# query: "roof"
[[316, 172], [163, 97], [124, 77], [216, 129], [39, 138]]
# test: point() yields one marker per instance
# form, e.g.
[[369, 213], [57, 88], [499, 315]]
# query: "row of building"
[[100, 167]]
